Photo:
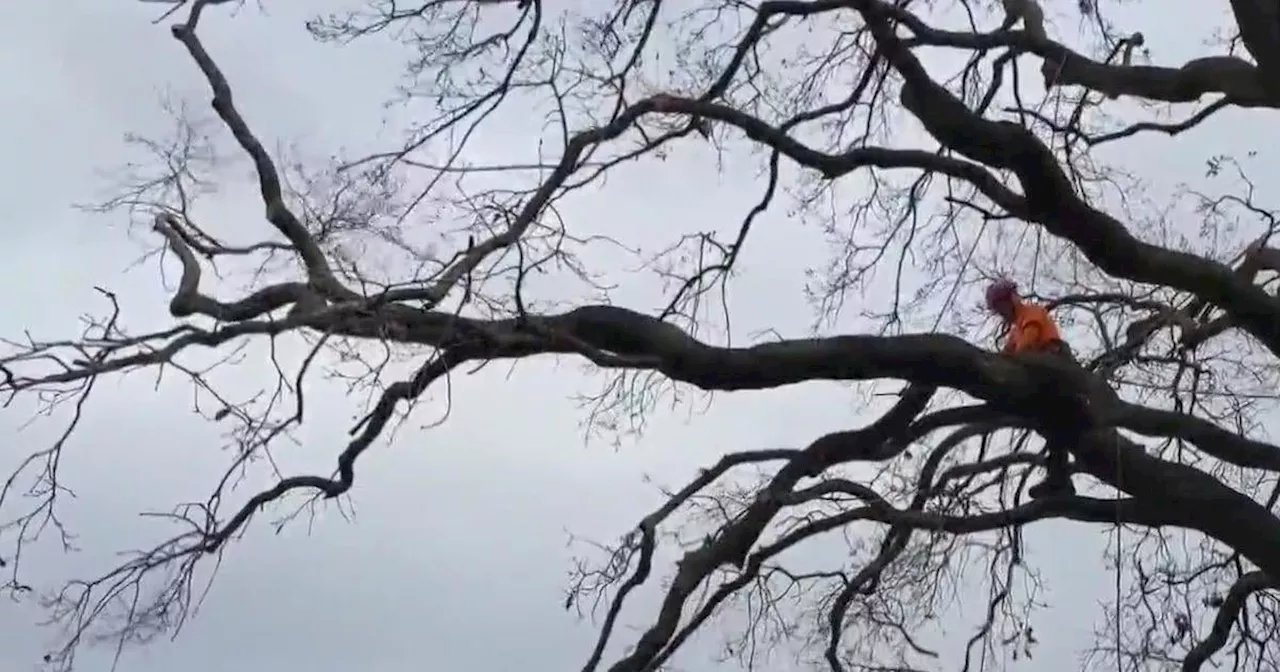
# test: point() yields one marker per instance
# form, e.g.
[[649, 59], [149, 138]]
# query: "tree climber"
[[1031, 331]]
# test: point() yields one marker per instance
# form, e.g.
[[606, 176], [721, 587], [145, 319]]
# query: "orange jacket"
[[1031, 329]]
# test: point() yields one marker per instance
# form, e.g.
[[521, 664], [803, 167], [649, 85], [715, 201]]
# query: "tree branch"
[[1235, 78], [1259, 24], [277, 211], [1051, 200], [1245, 586]]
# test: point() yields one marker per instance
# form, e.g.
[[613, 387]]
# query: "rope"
[[1119, 520]]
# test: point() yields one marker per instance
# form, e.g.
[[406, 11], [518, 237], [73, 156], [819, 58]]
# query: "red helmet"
[[1000, 291]]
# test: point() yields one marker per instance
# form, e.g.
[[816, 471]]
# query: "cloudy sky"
[[458, 553]]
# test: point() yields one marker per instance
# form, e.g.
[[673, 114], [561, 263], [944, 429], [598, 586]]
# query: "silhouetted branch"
[[1228, 612]]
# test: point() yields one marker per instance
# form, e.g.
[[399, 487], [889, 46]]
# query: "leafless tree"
[[1183, 323]]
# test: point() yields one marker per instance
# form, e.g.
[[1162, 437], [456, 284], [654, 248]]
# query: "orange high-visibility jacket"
[[1031, 329]]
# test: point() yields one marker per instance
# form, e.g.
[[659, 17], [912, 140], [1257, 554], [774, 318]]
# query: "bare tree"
[[1183, 324]]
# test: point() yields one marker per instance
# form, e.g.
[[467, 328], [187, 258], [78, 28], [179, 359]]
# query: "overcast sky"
[[458, 555]]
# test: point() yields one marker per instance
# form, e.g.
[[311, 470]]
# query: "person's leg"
[[1057, 480], [1062, 350]]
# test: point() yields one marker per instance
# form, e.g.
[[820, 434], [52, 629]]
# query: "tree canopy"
[[933, 146]]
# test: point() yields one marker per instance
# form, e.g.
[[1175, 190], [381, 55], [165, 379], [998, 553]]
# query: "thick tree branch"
[[613, 336], [1259, 24], [1051, 200]]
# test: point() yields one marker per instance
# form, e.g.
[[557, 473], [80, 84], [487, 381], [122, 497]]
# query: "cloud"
[[457, 556]]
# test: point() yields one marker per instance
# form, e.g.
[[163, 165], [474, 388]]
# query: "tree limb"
[[1232, 605], [1051, 200]]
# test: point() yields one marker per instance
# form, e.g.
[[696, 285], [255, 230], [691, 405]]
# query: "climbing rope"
[[1119, 520]]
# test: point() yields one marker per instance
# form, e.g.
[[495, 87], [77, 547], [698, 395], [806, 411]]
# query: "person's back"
[[1031, 329]]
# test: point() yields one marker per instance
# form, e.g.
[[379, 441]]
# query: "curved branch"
[[647, 541], [1220, 631], [1223, 444], [187, 299], [372, 426], [733, 542], [277, 212]]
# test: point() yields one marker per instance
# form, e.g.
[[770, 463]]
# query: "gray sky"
[[457, 557]]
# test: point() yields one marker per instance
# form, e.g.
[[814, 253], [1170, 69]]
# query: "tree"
[[912, 122]]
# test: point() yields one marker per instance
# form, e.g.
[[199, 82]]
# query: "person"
[[1029, 327], [1031, 331]]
